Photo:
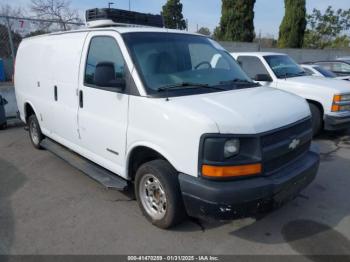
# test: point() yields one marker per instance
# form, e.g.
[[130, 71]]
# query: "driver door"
[[254, 68], [103, 106]]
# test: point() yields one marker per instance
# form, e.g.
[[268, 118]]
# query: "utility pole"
[[110, 4], [10, 38], [129, 5]]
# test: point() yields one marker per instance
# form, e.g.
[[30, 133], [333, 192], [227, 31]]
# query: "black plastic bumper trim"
[[222, 200], [337, 122]]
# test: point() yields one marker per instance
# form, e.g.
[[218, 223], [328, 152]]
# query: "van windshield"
[[177, 62]]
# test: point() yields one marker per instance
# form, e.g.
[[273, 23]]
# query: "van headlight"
[[229, 156], [231, 148]]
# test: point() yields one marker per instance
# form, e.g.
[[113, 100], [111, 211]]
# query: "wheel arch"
[[143, 153], [29, 110], [318, 104]]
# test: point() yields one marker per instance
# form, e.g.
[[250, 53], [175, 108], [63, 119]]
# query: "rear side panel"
[[65, 70], [42, 64]]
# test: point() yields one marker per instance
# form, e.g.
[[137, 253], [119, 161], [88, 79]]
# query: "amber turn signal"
[[231, 171], [337, 98], [335, 108]]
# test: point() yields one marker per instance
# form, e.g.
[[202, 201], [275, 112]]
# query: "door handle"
[[81, 99], [55, 93]]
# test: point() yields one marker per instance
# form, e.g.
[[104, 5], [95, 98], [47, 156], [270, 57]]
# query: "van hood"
[[335, 85], [246, 111]]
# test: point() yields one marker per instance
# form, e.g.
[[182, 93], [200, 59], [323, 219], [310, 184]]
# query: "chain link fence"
[[14, 29]]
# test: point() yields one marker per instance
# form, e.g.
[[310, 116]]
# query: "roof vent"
[[103, 17]]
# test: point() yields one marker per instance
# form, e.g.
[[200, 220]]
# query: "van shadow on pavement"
[[308, 223], [10, 181]]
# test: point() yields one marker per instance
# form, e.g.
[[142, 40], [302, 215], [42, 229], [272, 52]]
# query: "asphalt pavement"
[[48, 207]]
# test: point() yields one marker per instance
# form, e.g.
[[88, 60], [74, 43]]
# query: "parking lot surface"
[[48, 207]]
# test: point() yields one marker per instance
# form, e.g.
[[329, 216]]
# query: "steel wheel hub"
[[34, 132], [153, 197]]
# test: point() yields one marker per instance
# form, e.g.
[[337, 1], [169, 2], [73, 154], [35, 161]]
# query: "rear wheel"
[[316, 119], [35, 132], [158, 194]]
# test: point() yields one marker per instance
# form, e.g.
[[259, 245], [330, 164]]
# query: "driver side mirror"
[[105, 76], [263, 78]]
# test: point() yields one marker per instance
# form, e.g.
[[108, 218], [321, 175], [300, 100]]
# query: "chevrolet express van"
[[169, 113]]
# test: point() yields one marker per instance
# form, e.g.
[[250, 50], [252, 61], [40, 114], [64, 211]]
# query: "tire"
[[161, 177], [316, 119], [35, 133], [3, 126]]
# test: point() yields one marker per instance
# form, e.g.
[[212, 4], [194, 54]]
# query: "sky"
[[205, 13]]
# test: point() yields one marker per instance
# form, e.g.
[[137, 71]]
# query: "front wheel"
[[158, 194], [35, 132]]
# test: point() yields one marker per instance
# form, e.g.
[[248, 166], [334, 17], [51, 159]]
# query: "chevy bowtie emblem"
[[295, 143]]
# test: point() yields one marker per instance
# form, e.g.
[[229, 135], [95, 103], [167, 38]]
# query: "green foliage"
[[237, 21], [172, 15], [204, 31], [325, 29], [293, 26]]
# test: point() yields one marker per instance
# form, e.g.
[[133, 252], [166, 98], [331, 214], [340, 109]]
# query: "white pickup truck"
[[329, 99], [143, 107]]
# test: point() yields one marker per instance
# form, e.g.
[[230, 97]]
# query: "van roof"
[[119, 29]]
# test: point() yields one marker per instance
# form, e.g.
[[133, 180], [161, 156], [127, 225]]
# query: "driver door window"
[[252, 66], [105, 66]]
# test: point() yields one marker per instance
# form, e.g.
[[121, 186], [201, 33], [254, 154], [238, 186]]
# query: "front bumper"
[[223, 200], [337, 122]]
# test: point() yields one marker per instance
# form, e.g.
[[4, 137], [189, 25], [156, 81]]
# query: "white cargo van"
[[329, 99], [168, 112]]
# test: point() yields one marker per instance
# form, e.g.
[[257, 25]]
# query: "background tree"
[[293, 26], [7, 10], [237, 21], [59, 10], [5, 49], [327, 29], [204, 31], [172, 15]]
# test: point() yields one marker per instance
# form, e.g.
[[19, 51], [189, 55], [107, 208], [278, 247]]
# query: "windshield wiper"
[[188, 85], [237, 81], [286, 75]]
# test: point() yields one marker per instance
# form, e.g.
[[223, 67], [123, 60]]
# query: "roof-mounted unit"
[[102, 17]]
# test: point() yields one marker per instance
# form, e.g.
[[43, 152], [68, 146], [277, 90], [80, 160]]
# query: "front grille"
[[287, 133], [279, 162], [276, 146]]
